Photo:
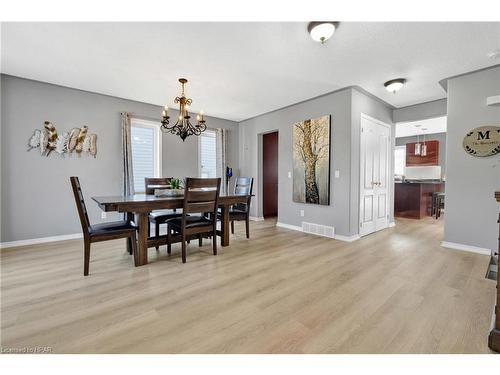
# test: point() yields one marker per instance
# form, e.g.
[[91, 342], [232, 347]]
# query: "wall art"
[[78, 141], [311, 161]]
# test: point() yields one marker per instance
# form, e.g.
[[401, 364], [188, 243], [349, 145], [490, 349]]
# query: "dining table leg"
[[129, 218], [224, 238], [142, 248]]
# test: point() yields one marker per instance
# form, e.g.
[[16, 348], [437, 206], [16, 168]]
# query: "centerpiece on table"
[[175, 189]]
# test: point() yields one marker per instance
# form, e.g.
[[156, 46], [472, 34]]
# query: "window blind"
[[208, 154], [144, 156]]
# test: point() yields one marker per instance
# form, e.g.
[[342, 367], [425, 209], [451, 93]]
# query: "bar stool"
[[437, 204]]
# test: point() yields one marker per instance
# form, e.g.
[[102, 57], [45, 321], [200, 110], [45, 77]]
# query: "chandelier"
[[183, 127]]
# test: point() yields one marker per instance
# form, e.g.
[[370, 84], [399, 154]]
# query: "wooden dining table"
[[137, 207]]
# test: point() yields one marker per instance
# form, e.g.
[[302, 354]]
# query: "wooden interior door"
[[374, 182], [270, 174]]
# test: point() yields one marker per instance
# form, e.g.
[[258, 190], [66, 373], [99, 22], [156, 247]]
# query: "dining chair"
[[158, 217], [100, 232], [241, 211], [201, 195], [439, 204]]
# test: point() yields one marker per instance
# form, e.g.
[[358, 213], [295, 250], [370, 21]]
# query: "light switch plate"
[[103, 215], [302, 213], [337, 173], [289, 174]]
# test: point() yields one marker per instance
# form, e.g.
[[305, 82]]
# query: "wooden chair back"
[[80, 205], [201, 195], [163, 181], [243, 186]]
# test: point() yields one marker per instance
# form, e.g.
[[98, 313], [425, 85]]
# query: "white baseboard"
[[392, 224], [34, 241], [462, 247], [347, 238], [289, 226], [256, 218]]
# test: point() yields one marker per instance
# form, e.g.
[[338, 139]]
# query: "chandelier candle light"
[[183, 127]]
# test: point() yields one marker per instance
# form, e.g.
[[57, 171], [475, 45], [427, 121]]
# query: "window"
[[146, 151], [208, 154], [399, 160]]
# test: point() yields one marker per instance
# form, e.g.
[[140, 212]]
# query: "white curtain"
[[128, 171], [221, 152]]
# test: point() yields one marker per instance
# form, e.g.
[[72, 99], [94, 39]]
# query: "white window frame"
[[158, 150], [399, 148], [199, 150]]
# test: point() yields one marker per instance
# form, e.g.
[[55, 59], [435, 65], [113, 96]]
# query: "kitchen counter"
[[420, 182], [413, 199]]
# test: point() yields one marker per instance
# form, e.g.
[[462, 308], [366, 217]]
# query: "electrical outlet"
[[103, 215], [302, 213], [337, 173], [289, 174]]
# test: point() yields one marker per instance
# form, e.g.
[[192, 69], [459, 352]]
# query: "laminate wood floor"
[[282, 291]]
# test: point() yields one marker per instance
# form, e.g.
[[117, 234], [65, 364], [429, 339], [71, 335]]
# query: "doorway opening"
[[420, 170], [270, 175]]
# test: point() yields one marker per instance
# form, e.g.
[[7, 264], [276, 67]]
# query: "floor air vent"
[[319, 230]]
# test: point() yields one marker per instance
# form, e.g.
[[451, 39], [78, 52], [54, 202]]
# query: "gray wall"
[[344, 105], [36, 197], [471, 210], [441, 137], [423, 111]]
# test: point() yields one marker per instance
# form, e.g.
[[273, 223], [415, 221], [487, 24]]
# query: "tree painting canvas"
[[311, 161]]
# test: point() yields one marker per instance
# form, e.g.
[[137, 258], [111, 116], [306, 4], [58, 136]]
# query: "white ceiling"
[[239, 70], [429, 126]]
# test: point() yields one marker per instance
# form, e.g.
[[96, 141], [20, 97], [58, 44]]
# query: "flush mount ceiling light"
[[321, 31], [394, 84]]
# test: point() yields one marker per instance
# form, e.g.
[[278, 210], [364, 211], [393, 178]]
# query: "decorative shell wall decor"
[[483, 141], [77, 140]]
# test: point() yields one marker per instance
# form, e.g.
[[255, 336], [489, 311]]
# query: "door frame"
[[260, 172], [390, 169]]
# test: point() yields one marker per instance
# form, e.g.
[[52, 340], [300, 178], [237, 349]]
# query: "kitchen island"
[[413, 199]]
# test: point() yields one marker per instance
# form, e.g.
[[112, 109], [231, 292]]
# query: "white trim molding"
[[256, 218], [469, 248], [35, 241], [289, 226], [352, 238]]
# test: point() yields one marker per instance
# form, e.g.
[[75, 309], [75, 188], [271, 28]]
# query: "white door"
[[374, 184]]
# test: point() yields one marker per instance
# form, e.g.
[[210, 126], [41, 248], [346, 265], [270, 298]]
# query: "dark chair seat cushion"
[[191, 222], [113, 227], [163, 216], [234, 215]]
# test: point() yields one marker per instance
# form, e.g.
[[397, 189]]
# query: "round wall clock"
[[482, 141]]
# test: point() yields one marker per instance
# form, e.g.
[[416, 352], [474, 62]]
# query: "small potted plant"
[[176, 187]]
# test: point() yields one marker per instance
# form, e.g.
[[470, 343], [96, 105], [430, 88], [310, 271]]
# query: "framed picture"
[[311, 161]]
